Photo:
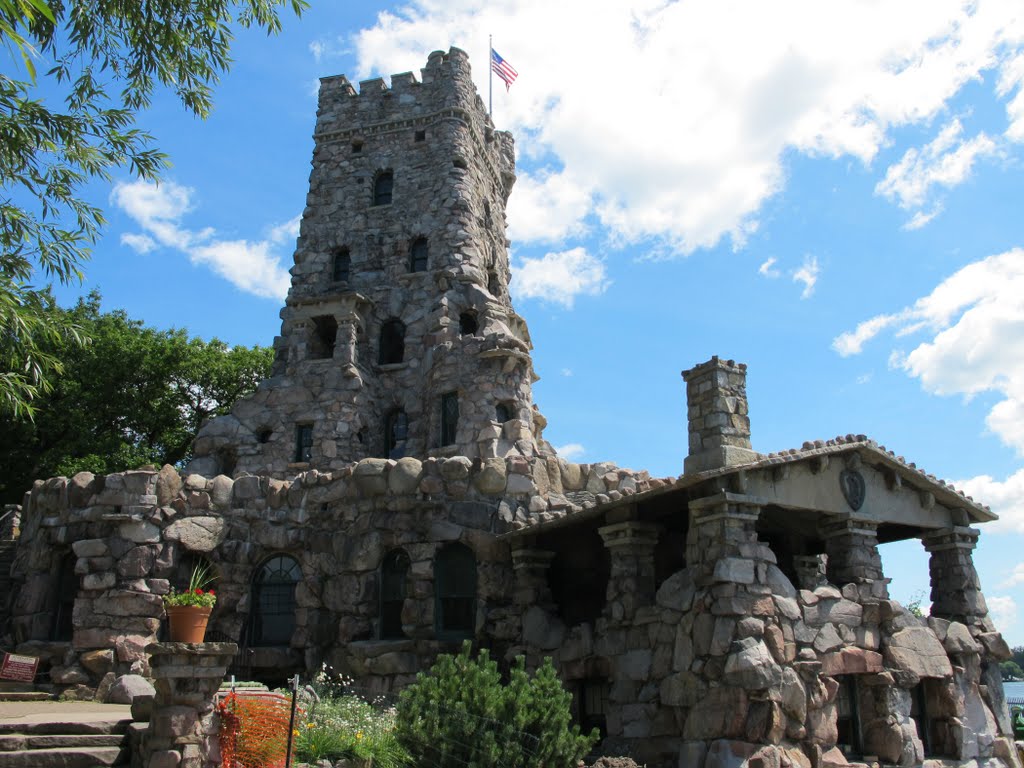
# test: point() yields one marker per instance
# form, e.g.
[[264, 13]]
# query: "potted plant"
[[189, 610]]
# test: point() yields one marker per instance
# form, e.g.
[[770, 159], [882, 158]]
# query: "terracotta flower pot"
[[188, 622]]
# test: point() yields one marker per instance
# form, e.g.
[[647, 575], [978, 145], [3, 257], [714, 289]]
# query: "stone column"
[[956, 589], [723, 536], [531, 578], [183, 728], [852, 548], [631, 582]]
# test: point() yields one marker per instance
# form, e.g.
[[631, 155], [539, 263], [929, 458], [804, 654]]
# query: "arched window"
[[396, 432], [504, 412], [340, 266], [62, 627], [382, 188], [467, 324], [392, 342], [418, 255], [272, 610], [455, 592], [393, 574]]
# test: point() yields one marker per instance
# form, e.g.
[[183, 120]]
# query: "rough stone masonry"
[[387, 493]]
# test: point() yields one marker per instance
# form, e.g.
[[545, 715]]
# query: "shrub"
[[460, 714]]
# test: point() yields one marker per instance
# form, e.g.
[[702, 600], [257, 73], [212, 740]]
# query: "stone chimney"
[[716, 399]]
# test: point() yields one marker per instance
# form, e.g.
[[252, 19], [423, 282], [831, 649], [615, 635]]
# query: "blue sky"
[[830, 193]]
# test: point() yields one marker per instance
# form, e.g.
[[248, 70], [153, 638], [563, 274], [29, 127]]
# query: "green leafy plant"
[[460, 714], [339, 724], [197, 594]]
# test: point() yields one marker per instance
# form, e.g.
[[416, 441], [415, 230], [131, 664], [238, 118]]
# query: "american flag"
[[503, 69]]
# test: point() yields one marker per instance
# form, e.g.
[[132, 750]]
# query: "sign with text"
[[20, 668]]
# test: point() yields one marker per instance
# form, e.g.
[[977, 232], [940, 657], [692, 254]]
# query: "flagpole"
[[490, 75]]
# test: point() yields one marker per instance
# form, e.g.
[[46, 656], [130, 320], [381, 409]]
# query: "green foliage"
[[132, 396], [1018, 655], [460, 714], [342, 725], [1011, 670], [108, 58], [197, 594], [914, 606]]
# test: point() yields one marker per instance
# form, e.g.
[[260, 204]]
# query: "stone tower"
[[398, 336]]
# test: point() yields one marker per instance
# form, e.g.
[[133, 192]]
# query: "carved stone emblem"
[[854, 488]]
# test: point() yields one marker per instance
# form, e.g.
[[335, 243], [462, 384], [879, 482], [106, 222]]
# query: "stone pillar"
[[722, 533], [183, 728], [717, 421], [631, 582], [852, 548], [531, 578], [956, 589]]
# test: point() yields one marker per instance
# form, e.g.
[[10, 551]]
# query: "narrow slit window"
[[421, 136], [341, 266], [396, 433], [383, 186], [418, 255], [303, 442], [393, 574], [449, 417]]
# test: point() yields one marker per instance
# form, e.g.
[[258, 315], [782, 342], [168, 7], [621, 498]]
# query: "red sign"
[[20, 668]]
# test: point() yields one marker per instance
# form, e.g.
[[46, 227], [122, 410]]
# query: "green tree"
[[460, 714], [105, 59], [1011, 670], [1018, 655], [133, 395]]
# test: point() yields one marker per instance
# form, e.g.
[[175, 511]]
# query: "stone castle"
[[388, 493]]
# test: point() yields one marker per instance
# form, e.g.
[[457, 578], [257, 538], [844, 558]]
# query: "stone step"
[[26, 696], [83, 726], [20, 741], [67, 757]]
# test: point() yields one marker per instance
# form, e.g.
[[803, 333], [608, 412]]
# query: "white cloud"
[[681, 134], [975, 323], [852, 342], [1003, 610], [808, 275], [1006, 497], [253, 267], [1011, 78], [559, 277], [1015, 578], [946, 162], [571, 451], [768, 268], [547, 208], [567, 372], [864, 378], [920, 218], [138, 243]]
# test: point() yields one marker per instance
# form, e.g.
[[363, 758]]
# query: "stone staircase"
[[95, 741]]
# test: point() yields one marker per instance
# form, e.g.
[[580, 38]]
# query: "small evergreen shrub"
[[459, 715]]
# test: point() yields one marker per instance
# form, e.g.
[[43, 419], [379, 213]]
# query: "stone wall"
[[128, 535]]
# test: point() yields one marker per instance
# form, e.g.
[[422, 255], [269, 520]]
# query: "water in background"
[[1014, 691]]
